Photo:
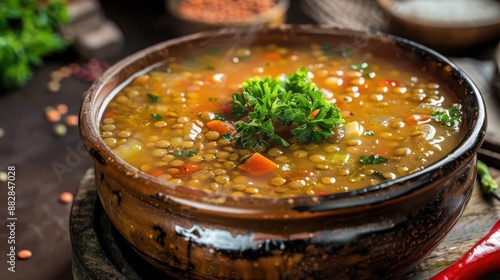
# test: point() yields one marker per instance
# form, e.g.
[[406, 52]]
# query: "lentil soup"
[[179, 122]]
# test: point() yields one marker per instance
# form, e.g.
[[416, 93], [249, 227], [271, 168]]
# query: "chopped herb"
[[286, 101], [449, 117], [210, 67], [220, 117], [157, 117], [211, 99], [373, 159], [153, 98], [359, 66], [188, 153], [243, 57], [369, 133], [177, 153], [227, 137]]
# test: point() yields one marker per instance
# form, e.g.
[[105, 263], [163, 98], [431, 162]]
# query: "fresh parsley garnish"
[[157, 117], [373, 159], [369, 133], [286, 102], [450, 117], [153, 98]]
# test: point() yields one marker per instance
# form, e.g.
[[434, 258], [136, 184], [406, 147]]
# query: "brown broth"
[[157, 123]]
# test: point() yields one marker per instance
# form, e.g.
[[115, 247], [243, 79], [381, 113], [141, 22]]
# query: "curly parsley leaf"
[[280, 103], [450, 117]]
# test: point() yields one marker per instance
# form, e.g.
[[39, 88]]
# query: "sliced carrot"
[[272, 56], [155, 172], [418, 119], [186, 170], [314, 114], [221, 127], [258, 164]]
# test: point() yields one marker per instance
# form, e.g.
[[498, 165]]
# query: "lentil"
[[66, 197], [24, 254]]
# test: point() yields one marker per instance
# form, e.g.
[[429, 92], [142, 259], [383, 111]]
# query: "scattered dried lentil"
[[66, 197], [24, 254]]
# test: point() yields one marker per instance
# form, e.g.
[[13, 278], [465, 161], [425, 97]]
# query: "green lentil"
[[317, 158], [278, 181], [160, 124], [299, 153], [274, 152], [163, 144], [108, 127], [402, 151], [159, 152]]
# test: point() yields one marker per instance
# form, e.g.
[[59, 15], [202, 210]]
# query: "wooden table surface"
[[30, 145]]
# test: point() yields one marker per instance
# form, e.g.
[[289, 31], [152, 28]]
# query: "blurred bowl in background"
[[201, 15], [449, 26]]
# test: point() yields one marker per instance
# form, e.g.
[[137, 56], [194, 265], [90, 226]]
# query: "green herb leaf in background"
[[28, 31]]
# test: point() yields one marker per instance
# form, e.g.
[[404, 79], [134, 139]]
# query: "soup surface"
[[193, 121]]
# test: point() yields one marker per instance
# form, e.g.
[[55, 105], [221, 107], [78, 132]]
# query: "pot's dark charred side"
[[378, 232]]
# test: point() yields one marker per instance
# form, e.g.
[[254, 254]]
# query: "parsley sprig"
[[286, 101]]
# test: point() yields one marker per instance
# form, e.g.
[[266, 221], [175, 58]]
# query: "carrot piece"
[[258, 164], [272, 56], [155, 172], [314, 114], [320, 192], [418, 119], [221, 127], [186, 170]]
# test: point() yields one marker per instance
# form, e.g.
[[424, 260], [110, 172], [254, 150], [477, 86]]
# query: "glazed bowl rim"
[[102, 154]]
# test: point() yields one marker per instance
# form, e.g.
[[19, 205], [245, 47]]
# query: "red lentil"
[[66, 197], [71, 120], [24, 254]]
